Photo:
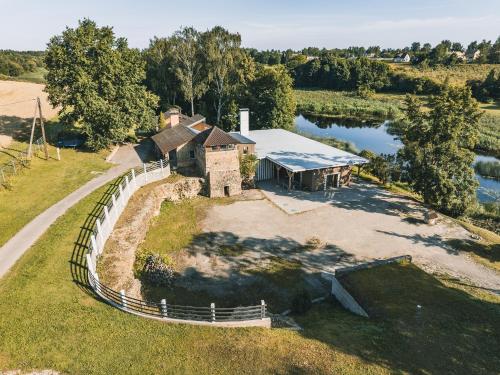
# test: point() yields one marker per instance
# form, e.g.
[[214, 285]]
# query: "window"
[[223, 147], [191, 154], [214, 148], [245, 150]]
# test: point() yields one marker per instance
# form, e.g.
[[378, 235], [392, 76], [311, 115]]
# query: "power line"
[[22, 101]]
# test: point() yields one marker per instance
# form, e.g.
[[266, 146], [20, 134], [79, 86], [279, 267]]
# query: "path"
[[29, 234]]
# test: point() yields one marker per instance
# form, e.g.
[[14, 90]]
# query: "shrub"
[[157, 272], [301, 302]]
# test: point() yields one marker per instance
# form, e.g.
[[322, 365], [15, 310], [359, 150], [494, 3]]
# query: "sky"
[[29, 24]]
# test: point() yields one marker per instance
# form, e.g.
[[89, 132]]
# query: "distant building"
[[459, 55], [473, 56], [402, 58]]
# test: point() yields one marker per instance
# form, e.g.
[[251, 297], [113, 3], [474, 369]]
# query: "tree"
[[494, 57], [248, 167], [457, 47], [271, 98], [436, 155], [97, 81], [227, 66], [160, 71], [415, 47], [189, 65]]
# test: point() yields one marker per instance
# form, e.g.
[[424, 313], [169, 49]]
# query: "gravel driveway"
[[357, 223]]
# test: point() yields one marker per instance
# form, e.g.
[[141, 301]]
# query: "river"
[[375, 137]]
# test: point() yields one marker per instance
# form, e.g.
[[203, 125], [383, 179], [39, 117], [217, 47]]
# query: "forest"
[[16, 63]]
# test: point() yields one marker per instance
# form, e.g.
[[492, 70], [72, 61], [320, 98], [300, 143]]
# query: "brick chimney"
[[173, 118], [244, 122]]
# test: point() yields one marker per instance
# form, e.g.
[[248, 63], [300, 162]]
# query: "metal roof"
[[241, 138], [298, 153]]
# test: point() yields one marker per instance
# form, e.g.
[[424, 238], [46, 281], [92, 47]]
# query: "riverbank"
[[379, 107]]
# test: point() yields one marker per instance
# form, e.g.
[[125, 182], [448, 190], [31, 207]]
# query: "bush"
[[301, 302], [157, 272]]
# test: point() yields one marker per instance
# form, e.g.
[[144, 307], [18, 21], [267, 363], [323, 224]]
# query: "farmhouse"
[[293, 161], [402, 58]]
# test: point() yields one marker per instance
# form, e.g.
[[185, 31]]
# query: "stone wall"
[[183, 155], [221, 160], [218, 180]]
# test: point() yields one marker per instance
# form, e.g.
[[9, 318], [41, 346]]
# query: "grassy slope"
[[49, 321], [43, 184], [457, 75]]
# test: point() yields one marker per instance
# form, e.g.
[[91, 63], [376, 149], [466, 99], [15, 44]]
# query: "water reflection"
[[381, 138]]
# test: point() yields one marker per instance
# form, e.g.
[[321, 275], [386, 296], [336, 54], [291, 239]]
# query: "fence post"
[[127, 185], [58, 154], [90, 266], [145, 171], [132, 171], [212, 309], [122, 199], [99, 234], [122, 297], [262, 309], [161, 166], [94, 243], [164, 311], [108, 221], [97, 285]]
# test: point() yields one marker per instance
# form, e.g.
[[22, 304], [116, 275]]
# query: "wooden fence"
[[219, 316]]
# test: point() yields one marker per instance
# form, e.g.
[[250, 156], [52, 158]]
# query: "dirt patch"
[[117, 262], [17, 107]]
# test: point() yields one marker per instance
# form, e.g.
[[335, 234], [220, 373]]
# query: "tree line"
[[112, 91], [210, 73], [15, 63]]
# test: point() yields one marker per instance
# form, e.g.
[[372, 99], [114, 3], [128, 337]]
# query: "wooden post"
[[163, 304], [90, 266], [108, 221], [212, 309], [127, 185], [43, 129], [161, 166], [94, 243], [99, 234], [58, 154], [262, 309], [132, 171], [145, 172], [32, 131], [290, 175], [122, 199], [278, 168]]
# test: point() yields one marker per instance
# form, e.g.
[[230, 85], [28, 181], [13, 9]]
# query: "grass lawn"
[[41, 185], [49, 320]]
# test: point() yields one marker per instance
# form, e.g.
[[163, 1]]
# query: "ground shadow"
[[417, 324], [223, 268], [78, 263]]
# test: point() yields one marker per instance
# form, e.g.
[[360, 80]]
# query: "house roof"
[[191, 121], [297, 153], [215, 137], [169, 139], [241, 138]]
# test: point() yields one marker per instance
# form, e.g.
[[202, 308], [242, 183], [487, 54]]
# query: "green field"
[[458, 74], [49, 320], [37, 76], [44, 183]]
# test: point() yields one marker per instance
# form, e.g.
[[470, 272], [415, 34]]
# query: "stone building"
[[288, 159]]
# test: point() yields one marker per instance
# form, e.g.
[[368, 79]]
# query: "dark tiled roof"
[[215, 137], [169, 139]]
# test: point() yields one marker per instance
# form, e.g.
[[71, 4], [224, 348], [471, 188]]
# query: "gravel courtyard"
[[356, 223]]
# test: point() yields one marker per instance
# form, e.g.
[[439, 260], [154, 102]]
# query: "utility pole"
[[43, 129], [38, 107]]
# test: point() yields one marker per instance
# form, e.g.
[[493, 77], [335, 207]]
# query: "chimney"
[[174, 117], [244, 122]]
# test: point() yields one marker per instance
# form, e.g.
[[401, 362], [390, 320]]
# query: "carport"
[[298, 162]]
